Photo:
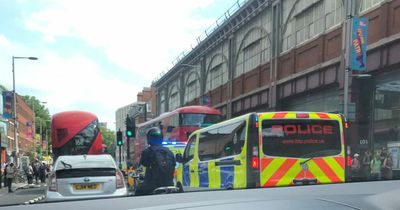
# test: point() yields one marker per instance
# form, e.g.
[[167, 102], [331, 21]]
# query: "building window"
[[215, 76], [174, 99], [333, 13], [309, 22], [368, 4], [192, 88], [255, 51], [162, 102], [322, 101]]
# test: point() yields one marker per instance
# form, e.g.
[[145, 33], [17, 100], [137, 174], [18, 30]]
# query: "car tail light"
[[53, 183], [119, 179]]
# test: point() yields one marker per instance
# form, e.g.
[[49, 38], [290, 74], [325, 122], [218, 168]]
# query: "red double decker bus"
[[176, 126], [75, 133]]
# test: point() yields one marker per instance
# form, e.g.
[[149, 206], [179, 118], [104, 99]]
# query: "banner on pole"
[[358, 46], [7, 104]]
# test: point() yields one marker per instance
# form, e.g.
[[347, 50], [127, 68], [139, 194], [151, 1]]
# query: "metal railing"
[[208, 31]]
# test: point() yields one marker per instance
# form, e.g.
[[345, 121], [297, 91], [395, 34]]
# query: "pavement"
[[23, 194]]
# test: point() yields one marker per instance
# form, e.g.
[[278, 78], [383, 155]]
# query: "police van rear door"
[[301, 151]]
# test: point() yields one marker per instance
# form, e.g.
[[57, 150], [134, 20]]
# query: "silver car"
[[85, 176]]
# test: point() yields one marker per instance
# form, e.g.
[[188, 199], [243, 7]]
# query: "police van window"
[[189, 151], [207, 141], [229, 140], [301, 138]]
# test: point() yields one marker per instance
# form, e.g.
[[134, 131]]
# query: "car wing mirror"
[[179, 158]]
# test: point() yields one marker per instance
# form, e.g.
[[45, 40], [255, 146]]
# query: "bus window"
[[301, 138], [199, 120]]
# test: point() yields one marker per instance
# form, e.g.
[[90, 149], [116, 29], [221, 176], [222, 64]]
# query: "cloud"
[[111, 42], [135, 35], [67, 83]]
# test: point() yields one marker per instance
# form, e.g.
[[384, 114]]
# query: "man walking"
[[159, 162], [42, 172], [10, 176]]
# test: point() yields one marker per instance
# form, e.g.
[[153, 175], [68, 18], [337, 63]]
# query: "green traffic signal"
[[129, 133], [119, 138]]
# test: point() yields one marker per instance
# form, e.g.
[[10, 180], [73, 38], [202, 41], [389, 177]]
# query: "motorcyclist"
[[159, 162]]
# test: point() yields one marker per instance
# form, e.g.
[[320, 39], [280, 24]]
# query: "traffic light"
[[119, 138], [130, 126]]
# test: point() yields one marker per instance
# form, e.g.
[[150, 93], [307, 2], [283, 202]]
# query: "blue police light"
[[174, 142], [164, 143]]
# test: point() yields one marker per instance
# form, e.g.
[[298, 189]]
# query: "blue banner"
[[7, 104], [358, 46]]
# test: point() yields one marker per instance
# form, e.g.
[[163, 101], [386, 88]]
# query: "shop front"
[[379, 116]]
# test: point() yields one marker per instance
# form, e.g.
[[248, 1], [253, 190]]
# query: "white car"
[[85, 176]]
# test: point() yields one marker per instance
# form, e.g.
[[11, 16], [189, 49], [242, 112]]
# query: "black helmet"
[[154, 136]]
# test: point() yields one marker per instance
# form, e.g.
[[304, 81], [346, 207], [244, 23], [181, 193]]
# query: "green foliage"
[[108, 137], [41, 113], [2, 88]]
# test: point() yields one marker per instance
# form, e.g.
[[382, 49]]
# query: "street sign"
[[358, 47]]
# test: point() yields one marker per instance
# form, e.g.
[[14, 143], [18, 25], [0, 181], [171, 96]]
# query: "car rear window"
[[85, 172], [85, 163], [303, 138]]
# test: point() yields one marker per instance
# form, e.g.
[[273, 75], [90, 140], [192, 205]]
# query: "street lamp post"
[[15, 102]]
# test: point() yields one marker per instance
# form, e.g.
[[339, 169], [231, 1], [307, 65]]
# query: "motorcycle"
[[139, 179]]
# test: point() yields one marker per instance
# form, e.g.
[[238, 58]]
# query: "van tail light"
[[348, 161], [346, 125], [119, 179], [53, 182], [255, 162]]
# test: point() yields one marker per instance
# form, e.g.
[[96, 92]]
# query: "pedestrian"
[[387, 165], [36, 171], [376, 167], [10, 175], [42, 172], [356, 168], [159, 162], [29, 174], [383, 154], [5, 175], [366, 164]]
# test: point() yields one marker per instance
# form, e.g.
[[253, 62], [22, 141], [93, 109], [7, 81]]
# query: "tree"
[[108, 137], [41, 113]]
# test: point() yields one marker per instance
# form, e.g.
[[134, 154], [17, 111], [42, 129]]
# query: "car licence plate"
[[82, 187]]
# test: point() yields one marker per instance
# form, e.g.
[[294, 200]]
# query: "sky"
[[96, 55]]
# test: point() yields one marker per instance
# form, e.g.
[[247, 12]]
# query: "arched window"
[[192, 88], [174, 98], [255, 50]]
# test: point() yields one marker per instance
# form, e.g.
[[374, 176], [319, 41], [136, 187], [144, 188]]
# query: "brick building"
[[288, 55], [25, 131]]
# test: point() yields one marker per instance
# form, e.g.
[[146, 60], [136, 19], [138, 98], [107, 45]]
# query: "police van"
[[265, 150]]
